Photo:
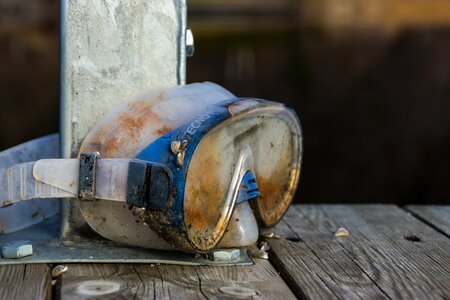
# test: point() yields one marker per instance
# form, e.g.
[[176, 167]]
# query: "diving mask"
[[190, 167]]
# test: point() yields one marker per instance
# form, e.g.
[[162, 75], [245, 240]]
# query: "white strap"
[[20, 184], [58, 178]]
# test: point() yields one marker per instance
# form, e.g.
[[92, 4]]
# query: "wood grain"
[[25, 282], [374, 261], [389, 253], [143, 281], [437, 216]]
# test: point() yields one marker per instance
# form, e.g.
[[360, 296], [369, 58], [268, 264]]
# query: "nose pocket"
[[242, 230], [248, 189]]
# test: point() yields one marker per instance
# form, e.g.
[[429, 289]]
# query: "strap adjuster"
[[149, 185], [137, 183], [86, 180]]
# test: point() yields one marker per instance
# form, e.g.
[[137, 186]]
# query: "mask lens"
[[277, 168], [268, 138]]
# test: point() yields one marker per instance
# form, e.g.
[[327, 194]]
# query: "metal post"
[[111, 50]]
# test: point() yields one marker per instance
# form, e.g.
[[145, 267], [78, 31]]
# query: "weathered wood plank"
[[143, 281], [374, 261], [25, 282], [437, 216]]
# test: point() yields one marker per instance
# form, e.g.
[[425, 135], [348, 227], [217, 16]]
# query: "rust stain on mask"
[[133, 126]]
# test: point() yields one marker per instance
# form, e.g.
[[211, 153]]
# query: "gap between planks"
[[436, 216]]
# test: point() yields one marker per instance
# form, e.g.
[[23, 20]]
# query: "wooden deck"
[[390, 252]]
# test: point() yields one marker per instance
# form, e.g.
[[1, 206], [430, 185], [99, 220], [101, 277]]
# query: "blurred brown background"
[[369, 79]]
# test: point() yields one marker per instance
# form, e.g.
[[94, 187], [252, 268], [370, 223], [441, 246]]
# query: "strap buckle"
[[149, 185], [87, 173]]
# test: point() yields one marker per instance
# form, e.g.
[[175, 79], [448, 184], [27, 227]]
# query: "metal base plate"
[[49, 248]]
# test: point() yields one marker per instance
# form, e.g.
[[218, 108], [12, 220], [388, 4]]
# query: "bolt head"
[[17, 249], [224, 255]]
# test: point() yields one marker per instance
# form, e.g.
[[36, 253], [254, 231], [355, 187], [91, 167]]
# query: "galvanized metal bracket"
[[49, 248]]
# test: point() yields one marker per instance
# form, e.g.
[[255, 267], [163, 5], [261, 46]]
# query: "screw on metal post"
[[224, 255], [190, 48], [17, 249]]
